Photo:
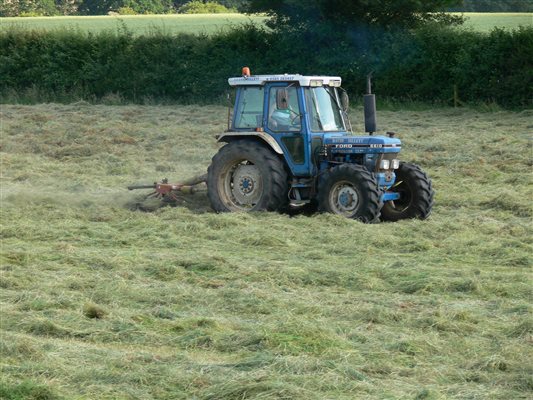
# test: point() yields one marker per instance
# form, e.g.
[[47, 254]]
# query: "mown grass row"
[[102, 300]]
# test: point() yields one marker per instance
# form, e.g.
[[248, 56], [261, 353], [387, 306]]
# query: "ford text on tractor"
[[289, 144]]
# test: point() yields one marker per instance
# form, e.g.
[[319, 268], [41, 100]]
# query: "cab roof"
[[256, 80]]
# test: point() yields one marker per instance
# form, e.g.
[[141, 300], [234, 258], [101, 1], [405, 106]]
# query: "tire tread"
[[423, 203], [273, 200], [369, 185]]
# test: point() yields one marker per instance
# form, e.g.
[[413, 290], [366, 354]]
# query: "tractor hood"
[[363, 144]]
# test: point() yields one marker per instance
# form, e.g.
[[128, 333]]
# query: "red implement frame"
[[168, 190]]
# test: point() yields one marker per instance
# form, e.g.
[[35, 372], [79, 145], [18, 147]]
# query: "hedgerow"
[[425, 64]]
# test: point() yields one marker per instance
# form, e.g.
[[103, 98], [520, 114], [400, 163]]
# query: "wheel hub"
[[344, 199], [246, 184]]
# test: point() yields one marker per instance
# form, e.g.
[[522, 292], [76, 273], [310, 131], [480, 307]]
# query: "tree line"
[[412, 47], [494, 6], [14, 8]]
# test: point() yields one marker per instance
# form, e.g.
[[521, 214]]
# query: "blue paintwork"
[[343, 144], [382, 180], [383, 140], [304, 169], [388, 196], [377, 141], [344, 199]]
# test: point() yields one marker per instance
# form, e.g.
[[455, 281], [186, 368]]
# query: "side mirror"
[[282, 99], [345, 101]]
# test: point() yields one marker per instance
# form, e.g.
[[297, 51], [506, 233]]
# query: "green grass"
[[487, 21], [139, 24], [100, 300], [210, 23]]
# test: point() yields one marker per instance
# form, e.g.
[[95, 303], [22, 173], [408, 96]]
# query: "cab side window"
[[249, 111]]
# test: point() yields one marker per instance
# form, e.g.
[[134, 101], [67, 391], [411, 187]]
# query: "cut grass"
[[101, 300], [487, 21], [138, 24], [211, 23]]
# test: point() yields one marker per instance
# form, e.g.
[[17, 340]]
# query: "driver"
[[283, 118], [280, 118]]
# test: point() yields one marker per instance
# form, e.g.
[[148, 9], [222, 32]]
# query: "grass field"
[[213, 22], [101, 300], [139, 24], [487, 21]]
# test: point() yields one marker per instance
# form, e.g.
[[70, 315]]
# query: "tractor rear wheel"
[[352, 191], [247, 176], [416, 195]]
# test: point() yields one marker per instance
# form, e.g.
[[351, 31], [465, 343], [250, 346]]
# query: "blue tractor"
[[290, 145]]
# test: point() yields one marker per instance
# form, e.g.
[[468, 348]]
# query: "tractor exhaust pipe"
[[370, 107]]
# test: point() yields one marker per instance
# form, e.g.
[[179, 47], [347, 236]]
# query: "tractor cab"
[[296, 111]]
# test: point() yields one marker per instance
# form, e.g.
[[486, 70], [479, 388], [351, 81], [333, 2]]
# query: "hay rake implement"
[[169, 191]]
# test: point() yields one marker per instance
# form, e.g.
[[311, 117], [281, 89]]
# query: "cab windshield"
[[324, 111]]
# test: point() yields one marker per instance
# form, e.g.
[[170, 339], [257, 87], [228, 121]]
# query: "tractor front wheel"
[[416, 195], [247, 176], [351, 191]]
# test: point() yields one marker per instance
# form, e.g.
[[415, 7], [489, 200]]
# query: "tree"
[[99, 7], [344, 13], [14, 8], [149, 6], [495, 6], [67, 7], [239, 5], [204, 7]]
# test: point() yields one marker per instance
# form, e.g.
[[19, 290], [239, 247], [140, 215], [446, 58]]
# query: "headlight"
[[316, 82], [384, 164], [395, 163]]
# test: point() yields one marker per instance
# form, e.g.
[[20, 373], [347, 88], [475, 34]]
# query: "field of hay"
[[211, 23], [102, 300], [487, 21], [138, 24]]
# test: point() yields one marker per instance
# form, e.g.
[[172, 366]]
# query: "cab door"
[[284, 120]]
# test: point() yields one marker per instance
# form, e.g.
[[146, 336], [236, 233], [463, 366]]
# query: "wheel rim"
[[344, 199], [242, 185]]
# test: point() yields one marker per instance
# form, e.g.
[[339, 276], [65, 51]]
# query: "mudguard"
[[269, 140]]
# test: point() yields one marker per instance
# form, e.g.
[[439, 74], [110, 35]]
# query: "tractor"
[[290, 145]]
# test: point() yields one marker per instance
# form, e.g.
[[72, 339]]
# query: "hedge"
[[422, 65]]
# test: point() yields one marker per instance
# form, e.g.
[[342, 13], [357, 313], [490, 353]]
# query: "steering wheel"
[[296, 115]]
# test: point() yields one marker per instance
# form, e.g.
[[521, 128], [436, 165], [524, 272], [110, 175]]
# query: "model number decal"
[[359, 144]]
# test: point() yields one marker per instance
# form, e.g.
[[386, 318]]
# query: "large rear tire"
[[416, 195], [351, 191], [247, 176]]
